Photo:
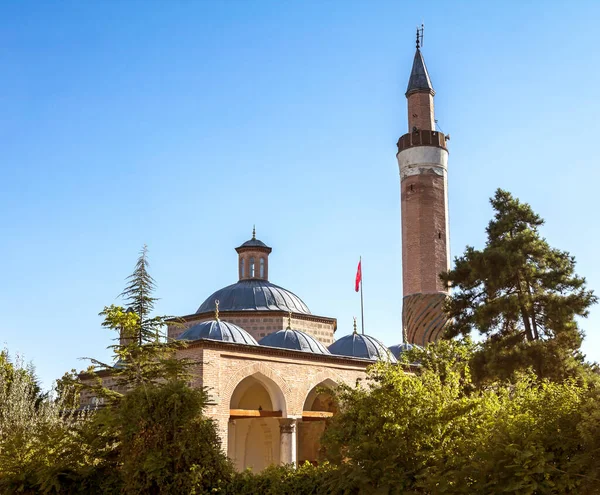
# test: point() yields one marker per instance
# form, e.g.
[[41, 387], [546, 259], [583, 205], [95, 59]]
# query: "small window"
[[242, 268], [262, 268], [251, 267]]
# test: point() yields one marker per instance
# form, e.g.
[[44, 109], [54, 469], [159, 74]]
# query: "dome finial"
[[253, 232], [217, 309], [355, 326], [289, 327], [404, 335]]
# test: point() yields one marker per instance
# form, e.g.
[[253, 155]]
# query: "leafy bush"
[[166, 445], [39, 451], [285, 480], [423, 434]]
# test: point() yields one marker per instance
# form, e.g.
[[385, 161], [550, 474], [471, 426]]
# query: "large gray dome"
[[295, 340], [254, 295], [361, 346], [218, 330]]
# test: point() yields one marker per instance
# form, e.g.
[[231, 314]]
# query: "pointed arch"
[[327, 378], [276, 386]]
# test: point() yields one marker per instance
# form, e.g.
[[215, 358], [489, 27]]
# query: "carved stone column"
[[287, 450]]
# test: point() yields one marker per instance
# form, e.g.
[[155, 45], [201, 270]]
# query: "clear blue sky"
[[181, 123]]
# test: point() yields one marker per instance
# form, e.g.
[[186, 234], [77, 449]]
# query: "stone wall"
[[273, 380], [262, 323], [288, 376]]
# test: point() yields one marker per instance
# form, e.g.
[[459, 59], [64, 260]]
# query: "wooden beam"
[[255, 413], [315, 415], [252, 413]]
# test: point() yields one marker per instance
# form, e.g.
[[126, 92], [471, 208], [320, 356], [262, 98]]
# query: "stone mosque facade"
[[265, 357]]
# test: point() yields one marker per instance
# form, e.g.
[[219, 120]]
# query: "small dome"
[[254, 243], [398, 349], [361, 346], [295, 340], [218, 330], [255, 295]]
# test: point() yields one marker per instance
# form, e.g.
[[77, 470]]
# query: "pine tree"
[[138, 296], [519, 292], [143, 353]]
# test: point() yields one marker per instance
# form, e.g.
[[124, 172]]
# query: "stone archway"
[[254, 442], [318, 400], [277, 387]]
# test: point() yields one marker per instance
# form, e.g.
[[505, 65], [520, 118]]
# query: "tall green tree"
[[520, 292], [138, 295], [143, 353]]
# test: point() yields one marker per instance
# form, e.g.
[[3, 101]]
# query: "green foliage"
[[522, 294], [154, 440], [68, 390], [39, 448], [151, 439], [143, 354], [151, 362], [285, 480], [421, 433], [166, 446], [389, 431], [138, 295], [18, 371], [445, 358]]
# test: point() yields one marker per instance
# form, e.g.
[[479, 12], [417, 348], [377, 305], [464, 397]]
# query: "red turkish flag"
[[358, 277]]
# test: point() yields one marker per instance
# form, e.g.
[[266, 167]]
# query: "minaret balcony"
[[422, 138]]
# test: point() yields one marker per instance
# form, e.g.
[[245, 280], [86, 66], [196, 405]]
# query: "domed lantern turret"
[[253, 259]]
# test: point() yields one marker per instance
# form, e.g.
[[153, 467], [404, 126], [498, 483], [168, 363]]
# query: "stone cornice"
[[257, 314], [259, 351], [256, 352]]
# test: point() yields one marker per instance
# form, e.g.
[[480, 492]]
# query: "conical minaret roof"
[[419, 77]]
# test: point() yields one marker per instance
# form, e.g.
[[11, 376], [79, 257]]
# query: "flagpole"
[[362, 310]]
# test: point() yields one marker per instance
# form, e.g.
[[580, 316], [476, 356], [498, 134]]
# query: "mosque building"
[[265, 357]]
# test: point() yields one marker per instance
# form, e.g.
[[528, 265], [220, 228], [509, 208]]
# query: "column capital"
[[287, 425]]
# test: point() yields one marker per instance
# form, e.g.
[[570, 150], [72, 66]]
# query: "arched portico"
[[254, 439], [319, 405]]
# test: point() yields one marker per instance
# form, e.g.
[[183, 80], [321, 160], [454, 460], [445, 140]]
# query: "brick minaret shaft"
[[422, 159]]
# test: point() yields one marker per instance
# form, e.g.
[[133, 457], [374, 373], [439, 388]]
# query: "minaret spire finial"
[[217, 309], [420, 35], [254, 232], [289, 327]]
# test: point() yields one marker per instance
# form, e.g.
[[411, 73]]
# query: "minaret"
[[422, 159]]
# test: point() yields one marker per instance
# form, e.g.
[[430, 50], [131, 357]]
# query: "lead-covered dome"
[[218, 330], [398, 349], [254, 295], [361, 346], [294, 340], [254, 242]]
